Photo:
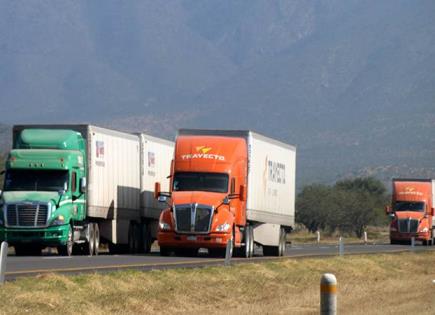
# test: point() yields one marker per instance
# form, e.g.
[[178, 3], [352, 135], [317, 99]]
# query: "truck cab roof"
[[49, 139]]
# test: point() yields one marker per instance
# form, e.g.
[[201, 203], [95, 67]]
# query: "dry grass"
[[373, 284]]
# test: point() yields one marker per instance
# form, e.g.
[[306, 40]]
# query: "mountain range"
[[350, 83]]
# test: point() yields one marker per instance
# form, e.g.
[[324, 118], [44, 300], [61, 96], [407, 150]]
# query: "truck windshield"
[[409, 206], [189, 181], [35, 180]]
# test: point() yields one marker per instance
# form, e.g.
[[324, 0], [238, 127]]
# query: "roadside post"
[[328, 294], [340, 246], [3, 255], [413, 243], [318, 237], [365, 238], [228, 252]]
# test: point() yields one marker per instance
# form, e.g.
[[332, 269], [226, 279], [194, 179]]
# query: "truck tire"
[[133, 238], [146, 239], [276, 250], [88, 247], [96, 239], [164, 251], [282, 242], [67, 249], [248, 248]]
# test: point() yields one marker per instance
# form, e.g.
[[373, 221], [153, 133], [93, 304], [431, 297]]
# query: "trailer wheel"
[[67, 249], [282, 242], [276, 250], [146, 238], [133, 238], [252, 244], [96, 239]]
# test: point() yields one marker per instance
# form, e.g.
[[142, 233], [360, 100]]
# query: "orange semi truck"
[[412, 211], [228, 185]]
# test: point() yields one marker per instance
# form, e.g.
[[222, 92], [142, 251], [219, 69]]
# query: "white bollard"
[[228, 252], [413, 242], [3, 255], [318, 237], [340, 246], [328, 294], [365, 237]]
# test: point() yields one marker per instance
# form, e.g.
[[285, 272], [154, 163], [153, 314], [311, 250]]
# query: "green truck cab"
[[44, 198]]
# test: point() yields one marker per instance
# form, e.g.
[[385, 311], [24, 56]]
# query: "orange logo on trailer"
[[203, 149], [203, 153], [410, 191]]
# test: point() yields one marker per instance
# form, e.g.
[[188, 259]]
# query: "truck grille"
[[408, 226], [193, 218], [27, 215]]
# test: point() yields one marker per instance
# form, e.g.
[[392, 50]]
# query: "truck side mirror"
[[242, 193], [157, 190], [387, 209], [83, 185]]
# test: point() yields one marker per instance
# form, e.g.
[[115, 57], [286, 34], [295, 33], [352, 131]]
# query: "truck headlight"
[[425, 230], [223, 227], [164, 226], [60, 220]]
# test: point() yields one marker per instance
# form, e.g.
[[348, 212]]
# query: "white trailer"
[[156, 159], [121, 171]]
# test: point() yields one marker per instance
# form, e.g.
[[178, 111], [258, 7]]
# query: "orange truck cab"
[[412, 211], [228, 185]]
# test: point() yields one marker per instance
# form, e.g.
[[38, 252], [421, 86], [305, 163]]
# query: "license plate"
[[191, 238]]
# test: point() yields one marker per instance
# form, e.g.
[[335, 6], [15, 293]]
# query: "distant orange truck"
[[228, 185], [412, 211]]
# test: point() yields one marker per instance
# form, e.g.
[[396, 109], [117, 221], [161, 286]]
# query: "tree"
[[348, 206], [361, 199], [312, 206]]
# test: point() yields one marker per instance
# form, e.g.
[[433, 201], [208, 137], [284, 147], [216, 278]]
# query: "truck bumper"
[[50, 236], [175, 240], [397, 236]]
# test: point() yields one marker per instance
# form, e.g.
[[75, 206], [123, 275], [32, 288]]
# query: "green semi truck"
[[74, 186]]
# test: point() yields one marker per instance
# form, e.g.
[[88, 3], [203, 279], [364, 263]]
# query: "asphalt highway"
[[49, 263]]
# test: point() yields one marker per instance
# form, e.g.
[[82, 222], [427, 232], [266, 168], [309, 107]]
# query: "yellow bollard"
[[328, 294]]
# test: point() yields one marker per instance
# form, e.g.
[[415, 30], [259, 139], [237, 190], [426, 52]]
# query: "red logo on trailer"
[[151, 159], [100, 149]]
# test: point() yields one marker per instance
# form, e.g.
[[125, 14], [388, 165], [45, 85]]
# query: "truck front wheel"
[[66, 250]]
